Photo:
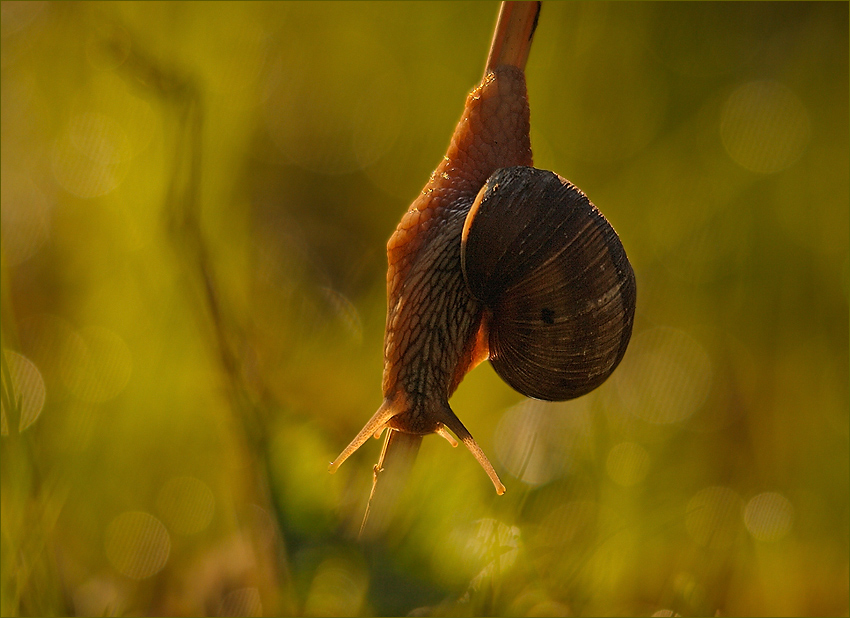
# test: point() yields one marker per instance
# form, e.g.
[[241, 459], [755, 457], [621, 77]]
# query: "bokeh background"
[[195, 204]]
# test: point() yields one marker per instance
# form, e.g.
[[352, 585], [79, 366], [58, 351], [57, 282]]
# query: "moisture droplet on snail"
[[498, 260]]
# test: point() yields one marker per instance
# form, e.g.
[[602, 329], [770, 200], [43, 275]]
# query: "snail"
[[498, 260]]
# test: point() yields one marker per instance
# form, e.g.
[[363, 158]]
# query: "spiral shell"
[[558, 288]]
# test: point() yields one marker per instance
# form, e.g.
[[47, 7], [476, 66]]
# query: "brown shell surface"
[[559, 290]]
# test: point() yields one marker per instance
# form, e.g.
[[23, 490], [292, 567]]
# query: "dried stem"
[[512, 37]]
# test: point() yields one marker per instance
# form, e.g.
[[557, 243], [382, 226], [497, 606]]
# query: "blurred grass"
[[195, 204]]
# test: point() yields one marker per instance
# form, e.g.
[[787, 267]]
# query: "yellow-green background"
[[195, 204]]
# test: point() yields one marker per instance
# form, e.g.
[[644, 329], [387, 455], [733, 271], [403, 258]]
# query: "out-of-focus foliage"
[[195, 203]]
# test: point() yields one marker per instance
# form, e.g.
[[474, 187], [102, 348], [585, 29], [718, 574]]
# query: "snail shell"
[[558, 288]]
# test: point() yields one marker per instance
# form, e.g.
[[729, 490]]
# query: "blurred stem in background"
[[249, 404], [32, 498]]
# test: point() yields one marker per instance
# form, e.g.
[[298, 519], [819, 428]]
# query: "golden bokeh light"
[[137, 544], [769, 516], [186, 504], [96, 364], [627, 463], [537, 441], [665, 377], [713, 517], [92, 157], [338, 589], [764, 126], [241, 602], [26, 390]]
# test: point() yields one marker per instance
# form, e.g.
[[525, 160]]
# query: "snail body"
[[495, 259]]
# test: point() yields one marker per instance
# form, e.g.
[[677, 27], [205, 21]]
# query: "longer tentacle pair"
[[379, 422]]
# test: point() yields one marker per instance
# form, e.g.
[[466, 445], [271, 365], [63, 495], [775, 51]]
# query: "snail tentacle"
[[443, 433], [374, 427], [450, 420]]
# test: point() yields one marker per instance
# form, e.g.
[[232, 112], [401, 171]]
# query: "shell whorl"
[[559, 290]]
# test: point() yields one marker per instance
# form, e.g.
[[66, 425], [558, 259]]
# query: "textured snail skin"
[[432, 319], [432, 331]]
